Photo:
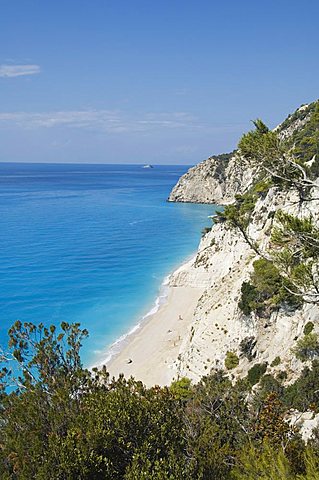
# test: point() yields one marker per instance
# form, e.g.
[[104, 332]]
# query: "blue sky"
[[146, 81]]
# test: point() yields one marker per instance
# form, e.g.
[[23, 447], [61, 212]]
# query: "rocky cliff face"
[[225, 260], [215, 180], [219, 178]]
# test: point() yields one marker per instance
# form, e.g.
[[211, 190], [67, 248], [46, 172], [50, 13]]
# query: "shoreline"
[[147, 352], [117, 346]]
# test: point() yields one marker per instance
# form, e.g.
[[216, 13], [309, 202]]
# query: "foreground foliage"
[[60, 421]]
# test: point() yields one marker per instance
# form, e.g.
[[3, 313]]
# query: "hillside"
[[240, 310]]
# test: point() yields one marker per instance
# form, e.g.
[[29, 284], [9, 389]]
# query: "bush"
[[219, 217], [181, 389], [239, 214], [266, 278], [275, 362], [304, 393], [231, 360], [256, 372], [268, 384], [248, 298], [266, 290], [261, 188], [263, 463], [247, 346], [282, 375], [308, 328], [307, 348]]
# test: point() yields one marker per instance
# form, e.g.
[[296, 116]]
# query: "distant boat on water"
[[147, 166]]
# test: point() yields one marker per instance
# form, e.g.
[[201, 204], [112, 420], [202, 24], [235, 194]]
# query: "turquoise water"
[[90, 243]]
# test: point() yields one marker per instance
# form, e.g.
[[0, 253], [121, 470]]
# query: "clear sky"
[[149, 81]]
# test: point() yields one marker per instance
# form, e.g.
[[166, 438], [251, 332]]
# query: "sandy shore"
[[152, 349]]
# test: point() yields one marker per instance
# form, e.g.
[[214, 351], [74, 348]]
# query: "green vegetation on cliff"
[[266, 291], [287, 272]]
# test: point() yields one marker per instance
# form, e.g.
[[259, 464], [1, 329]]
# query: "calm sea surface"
[[90, 243]]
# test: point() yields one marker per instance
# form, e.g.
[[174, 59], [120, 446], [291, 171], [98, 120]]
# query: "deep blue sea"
[[90, 243]]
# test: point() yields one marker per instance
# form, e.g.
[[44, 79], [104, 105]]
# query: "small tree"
[[268, 153], [182, 388], [256, 372], [247, 346], [308, 328], [231, 360], [47, 383], [295, 252], [307, 348]]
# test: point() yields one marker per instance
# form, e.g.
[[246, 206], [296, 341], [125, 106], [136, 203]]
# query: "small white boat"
[[147, 166]]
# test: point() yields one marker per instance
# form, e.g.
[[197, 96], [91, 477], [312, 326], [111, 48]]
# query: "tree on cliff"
[[295, 250], [284, 162], [271, 155]]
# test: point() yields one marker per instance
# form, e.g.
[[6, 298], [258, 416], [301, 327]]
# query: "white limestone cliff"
[[215, 180], [224, 261]]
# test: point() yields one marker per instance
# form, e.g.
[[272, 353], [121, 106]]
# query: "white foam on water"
[[117, 346]]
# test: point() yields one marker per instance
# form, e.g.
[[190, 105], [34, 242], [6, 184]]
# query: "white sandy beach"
[[153, 348]]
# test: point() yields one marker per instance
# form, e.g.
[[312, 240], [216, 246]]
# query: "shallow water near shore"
[[90, 243]]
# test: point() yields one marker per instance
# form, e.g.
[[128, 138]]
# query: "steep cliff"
[[225, 260], [215, 180], [219, 178]]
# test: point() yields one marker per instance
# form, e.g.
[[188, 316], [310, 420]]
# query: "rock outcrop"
[[215, 180]]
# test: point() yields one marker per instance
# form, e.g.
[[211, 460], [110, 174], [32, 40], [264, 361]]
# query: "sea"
[[91, 243]]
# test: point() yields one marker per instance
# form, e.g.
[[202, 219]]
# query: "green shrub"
[[276, 361], [182, 388], [264, 463], [307, 348], [266, 290], [269, 384], [282, 375], [261, 188], [247, 346], [238, 214], [256, 372], [248, 298], [266, 278], [303, 394], [219, 217], [308, 328], [231, 360]]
